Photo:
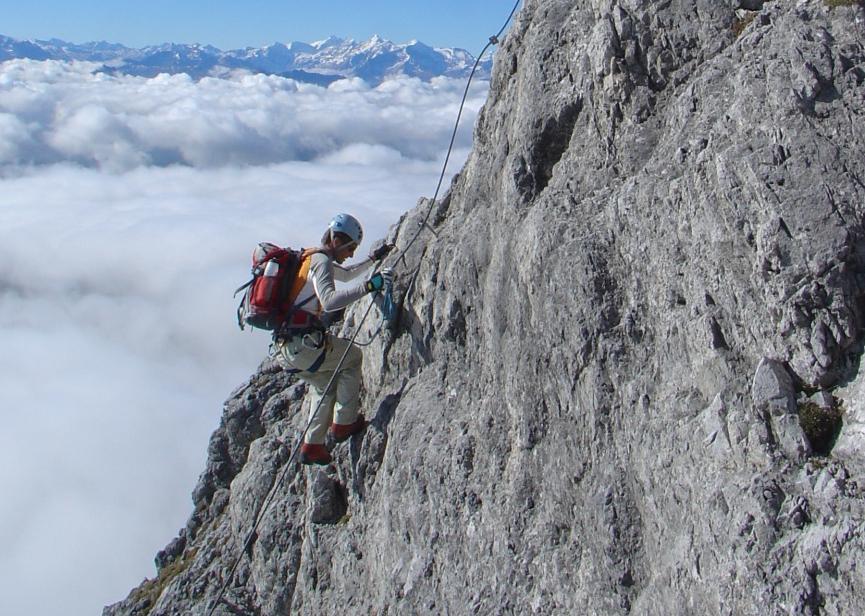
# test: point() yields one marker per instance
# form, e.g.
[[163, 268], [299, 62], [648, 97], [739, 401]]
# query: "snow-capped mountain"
[[321, 62]]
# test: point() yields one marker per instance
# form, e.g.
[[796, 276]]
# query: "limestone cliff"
[[648, 275]]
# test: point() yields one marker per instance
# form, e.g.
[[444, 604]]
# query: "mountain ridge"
[[373, 60]]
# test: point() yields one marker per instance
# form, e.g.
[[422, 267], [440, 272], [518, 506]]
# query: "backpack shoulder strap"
[[305, 253], [302, 272]]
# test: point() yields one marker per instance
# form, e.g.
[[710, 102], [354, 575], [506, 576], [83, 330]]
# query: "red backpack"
[[269, 298]]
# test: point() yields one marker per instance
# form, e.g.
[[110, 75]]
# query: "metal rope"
[[273, 489], [493, 40]]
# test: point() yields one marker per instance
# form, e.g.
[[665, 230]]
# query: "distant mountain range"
[[321, 62]]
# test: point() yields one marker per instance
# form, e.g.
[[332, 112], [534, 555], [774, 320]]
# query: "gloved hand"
[[381, 252], [378, 280]]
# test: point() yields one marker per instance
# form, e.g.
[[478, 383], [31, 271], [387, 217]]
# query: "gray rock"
[[713, 421], [790, 437], [850, 445], [823, 399], [557, 426], [171, 552], [773, 388], [326, 503], [774, 398]]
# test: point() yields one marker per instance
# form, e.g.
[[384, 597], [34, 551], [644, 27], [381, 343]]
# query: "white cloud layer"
[[53, 111], [128, 212]]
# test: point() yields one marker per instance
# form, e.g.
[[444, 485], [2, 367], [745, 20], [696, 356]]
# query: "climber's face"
[[343, 250]]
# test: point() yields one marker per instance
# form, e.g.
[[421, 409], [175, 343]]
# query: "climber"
[[305, 347]]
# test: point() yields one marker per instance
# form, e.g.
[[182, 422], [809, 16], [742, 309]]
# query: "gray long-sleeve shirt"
[[323, 271]]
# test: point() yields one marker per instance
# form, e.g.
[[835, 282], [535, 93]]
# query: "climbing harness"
[[389, 312]]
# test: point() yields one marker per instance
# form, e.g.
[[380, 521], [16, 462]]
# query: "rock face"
[[653, 256]]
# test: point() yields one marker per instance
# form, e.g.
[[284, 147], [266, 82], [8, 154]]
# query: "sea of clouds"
[[128, 211]]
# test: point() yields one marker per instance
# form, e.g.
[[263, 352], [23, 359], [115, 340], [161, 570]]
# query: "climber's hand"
[[378, 280], [381, 252]]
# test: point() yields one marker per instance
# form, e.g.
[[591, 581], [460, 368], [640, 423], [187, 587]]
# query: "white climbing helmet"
[[347, 224]]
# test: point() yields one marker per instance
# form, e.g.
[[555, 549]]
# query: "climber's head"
[[342, 237]]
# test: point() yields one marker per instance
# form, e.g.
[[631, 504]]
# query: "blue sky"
[[230, 24]]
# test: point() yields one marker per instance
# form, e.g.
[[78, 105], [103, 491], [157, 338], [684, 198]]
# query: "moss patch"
[[148, 593], [740, 25], [821, 426], [835, 3]]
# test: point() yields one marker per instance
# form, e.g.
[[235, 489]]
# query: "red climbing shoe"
[[342, 433], [314, 454]]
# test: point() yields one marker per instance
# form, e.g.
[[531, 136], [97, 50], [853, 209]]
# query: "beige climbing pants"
[[302, 353]]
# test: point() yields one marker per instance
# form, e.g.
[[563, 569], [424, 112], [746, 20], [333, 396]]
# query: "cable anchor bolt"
[[426, 225]]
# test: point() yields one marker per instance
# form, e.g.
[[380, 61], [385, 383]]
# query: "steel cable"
[[493, 40], [278, 483]]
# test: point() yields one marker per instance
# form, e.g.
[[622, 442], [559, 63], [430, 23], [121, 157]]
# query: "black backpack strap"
[[242, 287], [306, 301], [240, 312]]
